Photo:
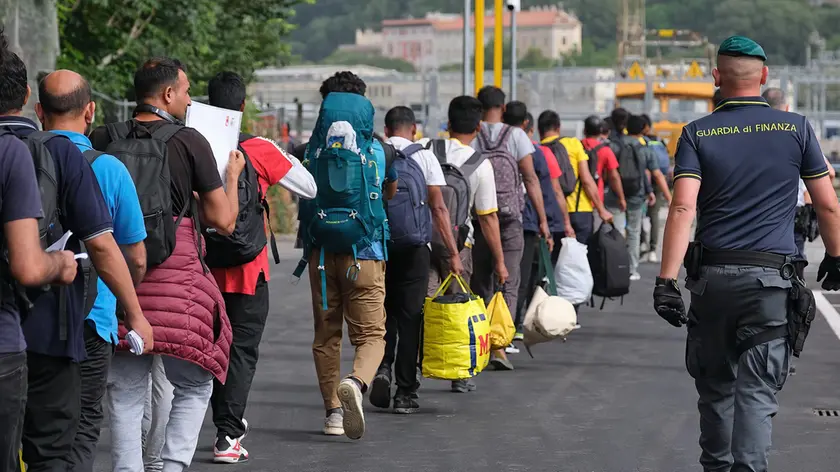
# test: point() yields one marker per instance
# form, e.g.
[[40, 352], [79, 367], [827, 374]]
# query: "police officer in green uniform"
[[739, 168]]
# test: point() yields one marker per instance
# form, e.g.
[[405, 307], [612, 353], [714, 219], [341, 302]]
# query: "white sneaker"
[[512, 349], [635, 276], [229, 451], [334, 424], [652, 257], [350, 396]]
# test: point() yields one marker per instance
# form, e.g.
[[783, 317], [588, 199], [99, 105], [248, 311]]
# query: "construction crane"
[[671, 89]]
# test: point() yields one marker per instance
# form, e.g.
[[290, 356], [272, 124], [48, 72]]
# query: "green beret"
[[737, 46]]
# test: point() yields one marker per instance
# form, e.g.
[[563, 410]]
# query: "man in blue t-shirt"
[[66, 108], [54, 326], [359, 302]]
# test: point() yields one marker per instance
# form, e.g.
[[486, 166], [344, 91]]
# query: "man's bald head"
[[776, 98], [64, 92]]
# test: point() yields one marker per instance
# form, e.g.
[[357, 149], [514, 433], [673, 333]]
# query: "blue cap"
[[741, 46]]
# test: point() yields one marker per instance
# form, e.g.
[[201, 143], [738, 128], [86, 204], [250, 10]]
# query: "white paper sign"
[[220, 127]]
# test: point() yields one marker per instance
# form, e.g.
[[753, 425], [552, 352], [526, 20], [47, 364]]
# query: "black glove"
[[830, 269], [668, 302]]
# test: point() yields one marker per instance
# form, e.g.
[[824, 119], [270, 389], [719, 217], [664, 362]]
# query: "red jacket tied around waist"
[[186, 308]]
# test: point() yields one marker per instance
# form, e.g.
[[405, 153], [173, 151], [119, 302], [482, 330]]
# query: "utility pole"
[[466, 49], [498, 42], [479, 44], [513, 6]]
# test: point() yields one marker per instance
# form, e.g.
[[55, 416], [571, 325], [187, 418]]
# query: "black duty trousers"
[[52, 415], [12, 405], [94, 374], [247, 314], [406, 281]]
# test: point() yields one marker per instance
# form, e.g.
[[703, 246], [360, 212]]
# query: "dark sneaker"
[[380, 389], [463, 386], [404, 404]]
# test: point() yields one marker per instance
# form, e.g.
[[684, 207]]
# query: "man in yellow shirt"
[[585, 199]]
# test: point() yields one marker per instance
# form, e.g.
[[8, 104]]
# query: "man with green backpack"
[[344, 232]]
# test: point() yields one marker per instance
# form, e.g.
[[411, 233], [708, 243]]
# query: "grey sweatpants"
[[737, 394], [484, 281]]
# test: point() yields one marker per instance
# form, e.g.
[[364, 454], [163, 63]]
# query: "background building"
[[437, 39]]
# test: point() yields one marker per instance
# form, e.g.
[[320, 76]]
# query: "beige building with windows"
[[437, 39]]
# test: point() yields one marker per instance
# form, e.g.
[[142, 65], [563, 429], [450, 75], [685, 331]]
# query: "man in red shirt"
[[596, 134], [244, 285]]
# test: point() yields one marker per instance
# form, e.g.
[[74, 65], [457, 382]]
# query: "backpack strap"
[[92, 155], [118, 131], [438, 147], [471, 165], [165, 132], [411, 149], [41, 136], [390, 153]]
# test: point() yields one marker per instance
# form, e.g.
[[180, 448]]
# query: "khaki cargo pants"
[[361, 304]]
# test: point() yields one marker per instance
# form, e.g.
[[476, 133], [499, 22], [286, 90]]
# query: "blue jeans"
[[128, 384], [156, 416], [630, 224]]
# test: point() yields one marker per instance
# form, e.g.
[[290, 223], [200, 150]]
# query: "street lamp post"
[[513, 6]]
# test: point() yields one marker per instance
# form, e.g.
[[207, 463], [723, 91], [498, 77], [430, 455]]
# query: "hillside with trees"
[[781, 26]]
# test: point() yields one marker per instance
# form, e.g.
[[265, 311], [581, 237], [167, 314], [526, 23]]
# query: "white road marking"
[[829, 312]]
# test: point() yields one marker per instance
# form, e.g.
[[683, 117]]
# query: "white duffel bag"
[[572, 273], [547, 318]]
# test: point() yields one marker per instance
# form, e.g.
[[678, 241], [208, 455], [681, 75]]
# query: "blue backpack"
[[347, 214], [662, 156], [409, 217]]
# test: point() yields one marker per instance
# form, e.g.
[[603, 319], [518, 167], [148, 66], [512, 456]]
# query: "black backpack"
[[593, 161], [88, 271], [609, 262], [248, 238], [568, 179], [50, 228], [145, 156], [628, 166], [456, 196]]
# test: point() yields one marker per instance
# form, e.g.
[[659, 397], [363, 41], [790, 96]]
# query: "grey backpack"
[[506, 172], [456, 195]]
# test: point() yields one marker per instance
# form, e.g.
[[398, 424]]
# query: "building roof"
[[318, 72], [533, 17]]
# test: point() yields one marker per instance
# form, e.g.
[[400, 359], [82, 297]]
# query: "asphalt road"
[[614, 398]]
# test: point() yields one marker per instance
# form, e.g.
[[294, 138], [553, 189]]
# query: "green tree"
[[106, 40]]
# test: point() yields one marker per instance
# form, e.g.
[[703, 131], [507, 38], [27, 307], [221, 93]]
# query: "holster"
[[693, 259], [802, 219], [813, 227], [802, 308]]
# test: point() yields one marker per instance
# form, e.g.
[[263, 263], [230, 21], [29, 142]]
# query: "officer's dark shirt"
[[749, 158], [85, 213]]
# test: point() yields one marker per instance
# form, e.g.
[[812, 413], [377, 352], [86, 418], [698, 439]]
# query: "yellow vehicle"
[[675, 103]]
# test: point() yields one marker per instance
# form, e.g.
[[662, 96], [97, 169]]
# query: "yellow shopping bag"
[[502, 329], [456, 334]]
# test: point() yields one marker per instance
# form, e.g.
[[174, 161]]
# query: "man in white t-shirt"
[[407, 269], [464, 121]]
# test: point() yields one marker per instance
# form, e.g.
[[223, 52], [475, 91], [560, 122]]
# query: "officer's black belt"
[[740, 257]]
